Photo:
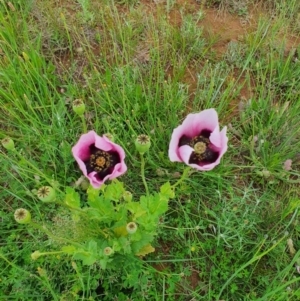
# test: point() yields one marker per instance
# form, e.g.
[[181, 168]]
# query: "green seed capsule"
[[108, 251], [22, 216], [8, 143], [46, 194], [131, 228], [78, 107], [142, 143]]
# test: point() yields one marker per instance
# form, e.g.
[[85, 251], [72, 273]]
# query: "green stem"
[[84, 127], [143, 174], [51, 253], [183, 176]]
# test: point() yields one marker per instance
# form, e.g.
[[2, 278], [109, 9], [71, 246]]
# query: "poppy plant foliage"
[[99, 158], [198, 141], [129, 225]]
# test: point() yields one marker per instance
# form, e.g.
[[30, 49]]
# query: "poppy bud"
[[22, 216], [74, 265], [8, 143], [42, 272], [46, 194], [287, 164], [142, 143], [84, 185], [127, 196], [35, 255], [78, 107], [25, 56], [131, 228], [266, 174], [109, 136]]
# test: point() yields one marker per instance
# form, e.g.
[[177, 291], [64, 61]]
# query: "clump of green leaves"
[[110, 226]]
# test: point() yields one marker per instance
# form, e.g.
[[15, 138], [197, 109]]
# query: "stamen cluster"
[[101, 160]]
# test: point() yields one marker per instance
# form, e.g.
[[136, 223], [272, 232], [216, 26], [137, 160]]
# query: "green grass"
[[225, 234]]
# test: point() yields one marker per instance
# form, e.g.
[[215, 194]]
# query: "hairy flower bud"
[[78, 107], [287, 164], [85, 184], [74, 265], [46, 194], [82, 182], [142, 143], [25, 57], [22, 216], [131, 227], [42, 272], [109, 136], [127, 196], [266, 174], [8, 143], [35, 255], [160, 172]]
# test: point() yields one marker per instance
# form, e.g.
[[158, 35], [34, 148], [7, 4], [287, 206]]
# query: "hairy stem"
[[183, 176], [84, 127], [143, 174]]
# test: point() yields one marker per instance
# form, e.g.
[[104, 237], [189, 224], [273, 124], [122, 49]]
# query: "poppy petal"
[[82, 152], [205, 122]]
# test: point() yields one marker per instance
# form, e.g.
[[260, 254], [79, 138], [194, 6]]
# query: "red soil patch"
[[220, 28], [223, 28], [194, 279]]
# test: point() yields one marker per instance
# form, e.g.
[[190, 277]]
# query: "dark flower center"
[[203, 153], [101, 161]]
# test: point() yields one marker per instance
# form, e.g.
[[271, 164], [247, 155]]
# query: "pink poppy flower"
[[198, 141], [98, 158]]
